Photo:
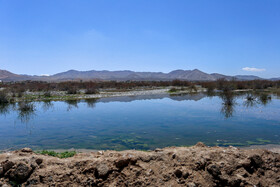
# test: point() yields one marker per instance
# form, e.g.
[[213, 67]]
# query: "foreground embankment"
[[174, 166]]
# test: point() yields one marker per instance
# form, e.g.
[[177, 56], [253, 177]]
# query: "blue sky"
[[224, 36]]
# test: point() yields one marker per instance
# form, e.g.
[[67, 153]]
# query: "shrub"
[[193, 88], [20, 94], [72, 91], [47, 94], [3, 98], [91, 91], [172, 90]]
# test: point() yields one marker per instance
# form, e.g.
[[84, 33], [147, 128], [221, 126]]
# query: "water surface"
[[141, 122]]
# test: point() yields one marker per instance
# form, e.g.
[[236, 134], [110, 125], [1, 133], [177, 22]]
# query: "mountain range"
[[191, 75]]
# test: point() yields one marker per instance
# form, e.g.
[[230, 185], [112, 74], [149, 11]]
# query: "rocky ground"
[[174, 166]]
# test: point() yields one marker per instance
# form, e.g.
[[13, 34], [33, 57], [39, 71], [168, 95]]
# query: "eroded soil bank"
[[174, 166]]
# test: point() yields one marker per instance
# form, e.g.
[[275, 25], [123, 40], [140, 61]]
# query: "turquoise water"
[[142, 122]]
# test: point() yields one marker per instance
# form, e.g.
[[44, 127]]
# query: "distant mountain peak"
[[196, 70], [124, 75]]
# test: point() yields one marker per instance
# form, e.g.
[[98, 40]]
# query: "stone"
[[186, 174], [122, 163], [214, 170], [7, 165], [39, 161], [20, 173], [191, 184], [256, 161], [26, 150], [102, 170], [158, 150], [200, 144], [1, 171], [178, 173]]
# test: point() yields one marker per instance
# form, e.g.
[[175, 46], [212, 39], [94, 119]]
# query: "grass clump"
[[65, 154], [172, 90]]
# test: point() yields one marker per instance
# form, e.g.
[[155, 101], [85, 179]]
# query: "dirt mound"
[[174, 166]]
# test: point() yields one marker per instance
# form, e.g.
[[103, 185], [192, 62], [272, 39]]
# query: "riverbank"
[[173, 166], [62, 95]]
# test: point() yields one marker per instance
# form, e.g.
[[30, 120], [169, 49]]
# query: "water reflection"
[[143, 122], [91, 102], [47, 105], [265, 99], [228, 102], [4, 108], [72, 104], [250, 100], [26, 111]]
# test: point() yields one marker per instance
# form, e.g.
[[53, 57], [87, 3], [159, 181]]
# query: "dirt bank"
[[175, 166]]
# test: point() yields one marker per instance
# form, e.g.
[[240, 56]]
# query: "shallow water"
[[140, 122]]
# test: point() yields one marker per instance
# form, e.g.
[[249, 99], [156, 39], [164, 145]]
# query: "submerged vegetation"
[[101, 135], [228, 99], [65, 154], [26, 111]]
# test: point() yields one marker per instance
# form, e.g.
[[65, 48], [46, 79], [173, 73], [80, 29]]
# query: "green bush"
[[172, 90]]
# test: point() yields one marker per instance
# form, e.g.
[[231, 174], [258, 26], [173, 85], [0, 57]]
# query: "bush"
[[91, 91], [72, 91], [47, 94], [172, 90], [3, 98], [193, 88]]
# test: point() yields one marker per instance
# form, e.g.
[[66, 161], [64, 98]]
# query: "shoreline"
[[62, 96], [275, 148]]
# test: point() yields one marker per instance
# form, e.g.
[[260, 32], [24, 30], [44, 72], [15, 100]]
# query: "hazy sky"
[[224, 36]]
